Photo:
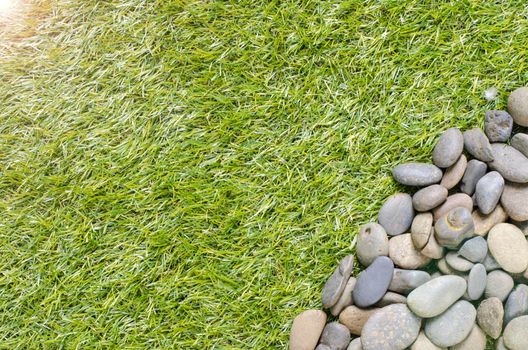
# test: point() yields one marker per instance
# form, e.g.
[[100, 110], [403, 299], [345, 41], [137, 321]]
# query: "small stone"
[[498, 284], [417, 174], [354, 318], [404, 254], [498, 125], [372, 242], [422, 343], [484, 223], [434, 297], [490, 314], [421, 229], [474, 171], [355, 344], [454, 227], [396, 214], [514, 199], [391, 298], [478, 145], [476, 340], [373, 282], [336, 283], [515, 334], [518, 107], [476, 282], [394, 327], [490, 263], [336, 336], [488, 191], [454, 173], [346, 297], [474, 249], [510, 163], [457, 262], [448, 148], [516, 304], [452, 326], [306, 329], [520, 143], [445, 268], [509, 247], [432, 249], [454, 201], [404, 281], [429, 197]]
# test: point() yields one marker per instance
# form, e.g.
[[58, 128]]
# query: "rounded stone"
[[498, 125], [429, 197], [454, 227], [404, 281], [517, 303], [509, 247], [448, 148], [444, 268], [457, 262], [452, 326], [355, 344], [515, 334], [394, 327], [432, 249], [518, 106], [372, 242], [488, 191], [335, 285], [454, 173], [417, 174], [474, 249], [520, 143], [391, 298], [490, 313], [474, 171], [454, 201], [373, 282], [514, 199], [354, 318], [306, 329], [476, 340], [434, 297], [346, 297], [478, 145], [476, 282], [404, 254], [422, 343], [499, 284], [490, 263], [396, 214], [336, 336], [510, 163], [421, 229], [484, 223]]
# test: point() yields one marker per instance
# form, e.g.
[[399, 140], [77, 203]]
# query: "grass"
[[186, 174]]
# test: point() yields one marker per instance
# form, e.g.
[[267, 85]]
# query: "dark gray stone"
[[488, 191], [474, 171], [336, 283], [429, 197], [516, 304], [476, 282], [396, 214], [373, 282], [454, 227], [404, 281], [417, 174], [336, 336], [372, 242], [453, 326], [478, 145], [498, 125], [474, 249], [510, 163], [448, 148]]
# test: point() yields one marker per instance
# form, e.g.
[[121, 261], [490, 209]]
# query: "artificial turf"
[[187, 174]]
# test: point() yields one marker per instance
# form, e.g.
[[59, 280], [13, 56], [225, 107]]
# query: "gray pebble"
[[498, 125], [454, 227], [421, 229], [432, 249], [478, 145], [372, 242], [514, 199], [515, 334], [373, 282], [490, 314], [476, 340], [474, 249], [335, 336], [429, 197], [488, 191], [336, 283], [490, 263], [392, 298], [518, 107], [474, 171], [457, 262], [520, 143], [454, 173], [453, 201], [404, 281], [476, 282], [404, 254], [417, 174], [516, 304], [396, 214], [498, 284], [510, 163], [448, 148], [422, 343], [452, 326], [355, 344], [445, 268], [346, 297]]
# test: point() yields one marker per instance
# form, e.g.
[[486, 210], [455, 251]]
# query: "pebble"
[[490, 263], [515, 334], [417, 174], [474, 249], [457, 262], [306, 329], [474, 171], [452, 326], [509, 247], [372, 242], [484, 223], [336, 336], [423, 343], [498, 125], [354, 318], [476, 340], [518, 106], [373, 282], [394, 327], [476, 282], [396, 214], [478, 145], [490, 314], [514, 199], [498, 284], [499, 345], [454, 227], [355, 344], [346, 297], [522, 225], [454, 173], [404, 281], [429, 197], [404, 254], [335, 285], [510, 163], [445, 268], [432, 249], [421, 229], [448, 148], [516, 304], [488, 191], [520, 143], [434, 297], [391, 298], [454, 201]]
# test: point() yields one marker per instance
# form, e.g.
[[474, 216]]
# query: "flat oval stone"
[[518, 107], [476, 282], [396, 214], [474, 171], [391, 298], [515, 334], [454, 201], [394, 327], [421, 229], [498, 125], [335, 285], [454, 173], [452, 326], [484, 223], [346, 297], [448, 148], [499, 284], [417, 174], [476, 340], [373, 282], [474, 249], [422, 343], [454, 227], [514, 199], [336, 336], [432, 249], [355, 344], [372, 242], [520, 143], [457, 262], [354, 318], [478, 145], [429, 197], [404, 254], [488, 191], [306, 329], [516, 304], [434, 297], [490, 313], [404, 281], [510, 163], [509, 247]]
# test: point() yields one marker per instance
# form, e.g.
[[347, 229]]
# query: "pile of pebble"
[[442, 269]]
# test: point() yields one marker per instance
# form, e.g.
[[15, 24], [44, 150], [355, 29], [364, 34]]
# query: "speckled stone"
[[457, 262], [474, 171], [488, 191], [404, 281], [476, 281], [336, 283], [476, 340], [306, 329], [373, 282], [518, 108], [510, 163], [454, 201], [432, 249], [372, 242], [355, 344], [514, 199], [517, 303], [454, 227], [484, 223], [404, 254], [422, 343], [452, 326], [417, 174], [509, 247], [454, 173], [499, 284], [520, 143], [335, 336], [474, 249], [394, 327], [478, 145], [515, 334], [498, 125], [396, 214], [391, 298], [421, 229], [429, 197], [490, 314], [448, 148], [354, 318], [346, 297]]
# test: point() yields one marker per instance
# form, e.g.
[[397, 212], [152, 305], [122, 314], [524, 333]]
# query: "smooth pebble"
[[448, 148], [452, 326], [373, 282], [306, 330], [488, 191], [404, 254], [335, 285], [478, 145], [396, 214], [474, 171], [372, 242], [417, 174]]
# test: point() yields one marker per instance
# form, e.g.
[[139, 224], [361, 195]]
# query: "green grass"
[[181, 174]]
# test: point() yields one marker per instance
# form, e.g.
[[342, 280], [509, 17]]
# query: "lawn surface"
[[186, 175]]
